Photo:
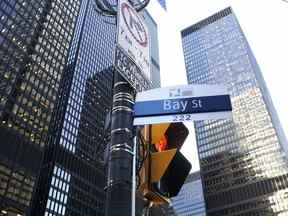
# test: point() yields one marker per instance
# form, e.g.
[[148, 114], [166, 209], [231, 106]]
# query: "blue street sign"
[[182, 103], [204, 104]]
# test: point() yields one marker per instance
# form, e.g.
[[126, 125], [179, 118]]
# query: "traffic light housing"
[[168, 167], [173, 177]]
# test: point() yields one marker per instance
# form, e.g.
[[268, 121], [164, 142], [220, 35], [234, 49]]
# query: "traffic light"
[[168, 167]]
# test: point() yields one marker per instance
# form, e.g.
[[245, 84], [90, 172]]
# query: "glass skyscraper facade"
[[56, 89], [190, 200], [34, 43], [243, 161], [154, 49], [72, 176]]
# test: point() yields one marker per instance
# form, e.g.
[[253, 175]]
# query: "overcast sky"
[[265, 25]]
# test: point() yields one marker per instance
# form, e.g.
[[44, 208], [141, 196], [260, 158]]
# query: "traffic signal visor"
[[159, 163], [168, 136]]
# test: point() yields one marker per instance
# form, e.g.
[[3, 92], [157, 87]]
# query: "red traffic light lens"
[[161, 144]]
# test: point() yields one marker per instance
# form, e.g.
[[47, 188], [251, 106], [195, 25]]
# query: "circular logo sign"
[[134, 24]]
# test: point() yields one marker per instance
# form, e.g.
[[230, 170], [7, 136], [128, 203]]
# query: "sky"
[[265, 25]]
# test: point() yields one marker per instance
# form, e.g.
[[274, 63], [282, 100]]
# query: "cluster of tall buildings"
[[56, 89], [243, 161], [56, 75]]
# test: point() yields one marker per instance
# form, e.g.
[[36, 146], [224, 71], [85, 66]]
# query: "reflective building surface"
[[56, 89], [190, 200], [154, 49], [34, 43], [243, 161], [72, 176]]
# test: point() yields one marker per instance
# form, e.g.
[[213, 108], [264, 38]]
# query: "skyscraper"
[[34, 43], [190, 200], [72, 177], [243, 161], [56, 89], [154, 49]]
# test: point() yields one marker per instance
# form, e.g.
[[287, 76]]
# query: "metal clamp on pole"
[[120, 130], [120, 83], [122, 98], [122, 147], [121, 108], [123, 94]]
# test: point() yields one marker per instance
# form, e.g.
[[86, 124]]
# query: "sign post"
[[132, 73], [173, 104]]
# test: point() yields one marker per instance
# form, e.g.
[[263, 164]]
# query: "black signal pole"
[[120, 166], [119, 197]]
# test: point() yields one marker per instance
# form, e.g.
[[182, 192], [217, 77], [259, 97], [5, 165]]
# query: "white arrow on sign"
[[182, 103]]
